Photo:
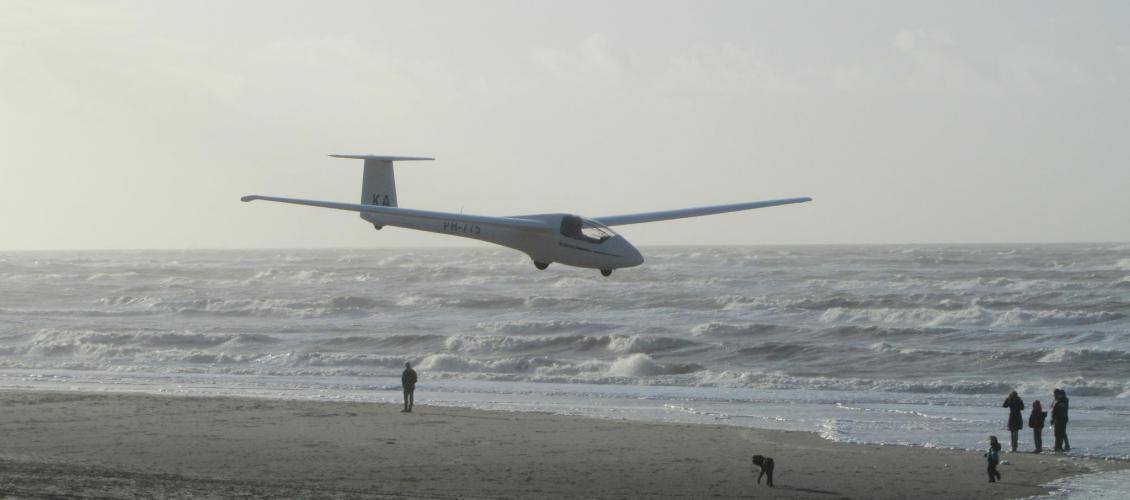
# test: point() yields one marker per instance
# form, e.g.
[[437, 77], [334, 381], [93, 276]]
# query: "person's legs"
[[1057, 429], [411, 398], [1038, 439], [993, 474], [1066, 443], [406, 395], [1015, 438]]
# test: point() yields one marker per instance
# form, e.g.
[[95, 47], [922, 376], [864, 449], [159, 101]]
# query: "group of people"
[[1013, 402], [1036, 420]]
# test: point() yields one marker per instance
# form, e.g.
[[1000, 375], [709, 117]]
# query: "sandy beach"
[[81, 444]]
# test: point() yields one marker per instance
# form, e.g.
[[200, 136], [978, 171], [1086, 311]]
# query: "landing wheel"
[[606, 272], [541, 265]]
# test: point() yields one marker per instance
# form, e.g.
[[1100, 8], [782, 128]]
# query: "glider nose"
[[631, 255]]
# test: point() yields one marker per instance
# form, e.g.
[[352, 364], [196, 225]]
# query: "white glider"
[[547, 238]]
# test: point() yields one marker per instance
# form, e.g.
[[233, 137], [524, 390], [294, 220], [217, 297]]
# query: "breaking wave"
[[247, 307]]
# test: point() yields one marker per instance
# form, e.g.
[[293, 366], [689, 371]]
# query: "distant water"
[[893, 344]]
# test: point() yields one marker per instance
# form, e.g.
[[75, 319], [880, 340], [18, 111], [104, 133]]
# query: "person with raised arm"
[[1015, 418]]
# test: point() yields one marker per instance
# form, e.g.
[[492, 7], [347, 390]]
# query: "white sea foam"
[[1084, 356], [636, 365], [716, 329]]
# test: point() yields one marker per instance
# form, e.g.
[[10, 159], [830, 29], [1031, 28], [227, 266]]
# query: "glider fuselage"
[[579, 242]]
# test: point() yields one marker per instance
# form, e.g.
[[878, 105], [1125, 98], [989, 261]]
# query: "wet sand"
[[82, 444]]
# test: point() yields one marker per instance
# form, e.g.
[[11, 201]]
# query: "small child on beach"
[[1036, 422], [994, 457]]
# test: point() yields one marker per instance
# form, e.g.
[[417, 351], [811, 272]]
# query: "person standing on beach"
[[1015, 418], [994, 457], [408, 382], [1059, 420], [1036, 422]]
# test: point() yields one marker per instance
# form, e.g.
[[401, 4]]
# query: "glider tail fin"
[[378, 184]]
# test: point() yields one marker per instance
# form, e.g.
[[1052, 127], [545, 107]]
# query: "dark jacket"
[[1015, 418], [408, 378], [1059, 410], [1036, 419]]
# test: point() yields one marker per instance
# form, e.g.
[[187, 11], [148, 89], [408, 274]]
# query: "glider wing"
[[411, 214], [620, 220]]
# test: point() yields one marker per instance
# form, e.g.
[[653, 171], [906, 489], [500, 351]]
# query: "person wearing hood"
[[1036, 422]]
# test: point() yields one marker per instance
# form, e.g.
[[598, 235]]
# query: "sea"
[[892, 344]]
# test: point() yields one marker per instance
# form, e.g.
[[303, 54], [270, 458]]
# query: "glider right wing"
[[682, 213]]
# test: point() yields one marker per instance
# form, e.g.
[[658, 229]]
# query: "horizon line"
[[464, 247]]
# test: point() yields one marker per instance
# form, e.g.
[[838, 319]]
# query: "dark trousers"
[[993, 474], [409, 397], [1061, 436], [1038, 438]]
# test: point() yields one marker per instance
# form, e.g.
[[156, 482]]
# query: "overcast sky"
[[140, 124]]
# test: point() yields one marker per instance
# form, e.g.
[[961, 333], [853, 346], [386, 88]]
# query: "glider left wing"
[[407, 213]]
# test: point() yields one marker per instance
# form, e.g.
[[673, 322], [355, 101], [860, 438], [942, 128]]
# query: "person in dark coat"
[[1015, 418], [994, 458], [1036, 422], [1059, 420], [408, 382]]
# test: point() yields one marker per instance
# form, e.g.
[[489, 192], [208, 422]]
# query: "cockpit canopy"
[[586, 230]]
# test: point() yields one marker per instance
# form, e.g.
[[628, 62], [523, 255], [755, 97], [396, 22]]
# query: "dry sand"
[[72, 444]]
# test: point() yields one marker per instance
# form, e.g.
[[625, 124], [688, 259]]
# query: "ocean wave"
[[883, 347], [396, 342], [893, 301], [970, 316], [564, 343], [780, 351], [293, 276], [562, 303], [727, 302], [879, 332], [779, 380], [422, 300], [345, 304], [898, 411], [642, 365], [540, 327], [630, 369], [1081, 356], [718, 329], [54, 342], [110, 276], [337, 359], [455, 363]]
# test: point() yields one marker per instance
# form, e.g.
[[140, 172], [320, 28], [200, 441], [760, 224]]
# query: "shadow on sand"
[[809, 490]]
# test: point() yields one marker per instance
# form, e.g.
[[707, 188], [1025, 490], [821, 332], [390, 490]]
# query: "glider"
[[547, 238]]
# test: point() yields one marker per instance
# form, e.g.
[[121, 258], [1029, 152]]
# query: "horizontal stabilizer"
[[412, 215], [620, 220], [383, 158]]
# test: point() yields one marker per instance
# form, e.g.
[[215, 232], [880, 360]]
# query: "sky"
[[140, 124]]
